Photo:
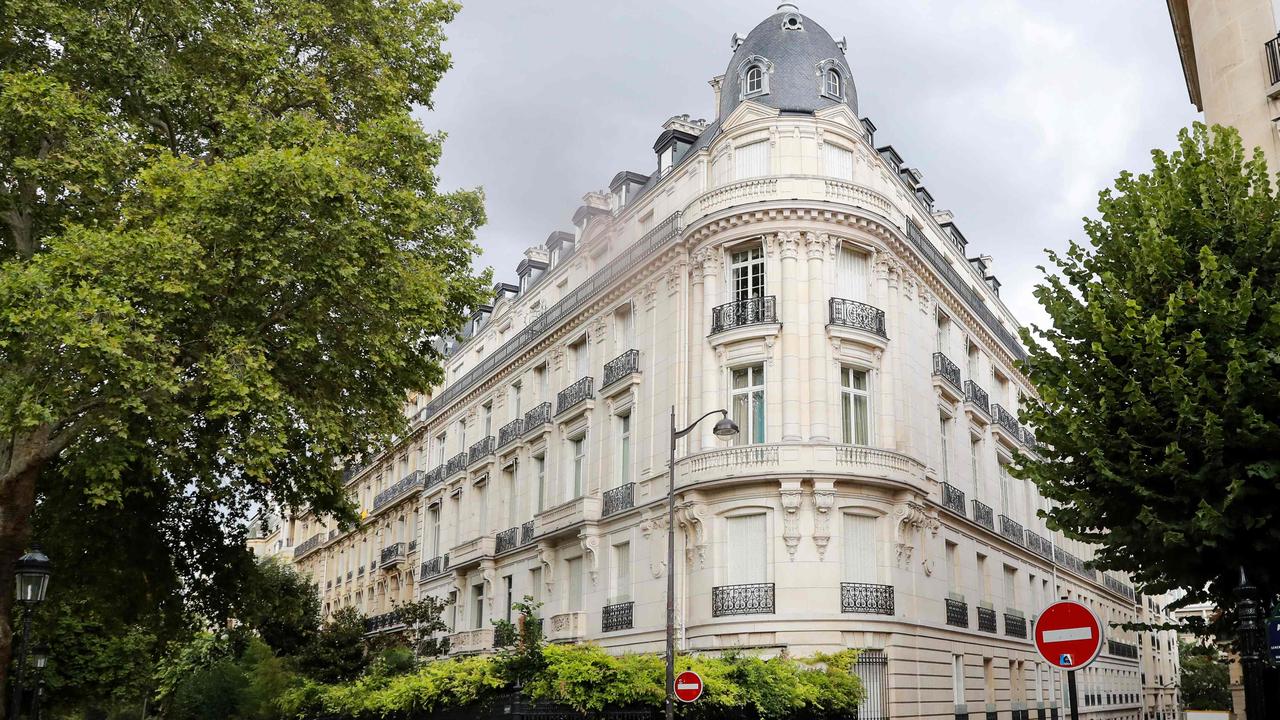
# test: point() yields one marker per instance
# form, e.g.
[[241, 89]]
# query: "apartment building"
[[777, 263], [1158, 654]]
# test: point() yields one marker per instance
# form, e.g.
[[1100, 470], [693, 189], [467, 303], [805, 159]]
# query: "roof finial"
[[786, 6]]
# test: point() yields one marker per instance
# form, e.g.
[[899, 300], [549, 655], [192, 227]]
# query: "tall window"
[[507, 581], [855, 402], [751, 160], [837, 162], [540, 382], [1010, 587], [621, 590], [624, 329], [1004, 489], [624, 450], [462, 435], [433, 529], [535, 583], [578, 464], [509, 493], [753, 81], [853, 270], [944, 429], [540, 471], [748, 404], [748, 549], [944, 333], [481, 495], [441, 440], [573, 601], [581, 359], [860, 548], [975, 467], [515, 399], [486, 415], [477, 606], [833, 83], [746, 274], [984, 582]]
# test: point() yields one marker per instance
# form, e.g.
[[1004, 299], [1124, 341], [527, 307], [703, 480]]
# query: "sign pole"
[[1071, 692]]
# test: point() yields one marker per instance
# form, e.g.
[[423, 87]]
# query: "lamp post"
[[724, 428], [31, 574], [39, 658], [1251, 646]]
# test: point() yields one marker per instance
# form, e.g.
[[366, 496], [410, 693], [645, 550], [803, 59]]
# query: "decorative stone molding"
[[692, 518], [789, 241], [910, 517], [547, 559], [791, 496], [489, 575], [649, 295], [655, 527], [672, 279], [557, 358], [815, 246], [591, 554], [599, 328], [824, 497]]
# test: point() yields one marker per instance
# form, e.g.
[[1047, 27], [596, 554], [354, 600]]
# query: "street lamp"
[[724, 428], [31, 574], [39, 658]]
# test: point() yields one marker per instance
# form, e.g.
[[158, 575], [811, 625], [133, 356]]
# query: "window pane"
[[862, 421], [758, 417]]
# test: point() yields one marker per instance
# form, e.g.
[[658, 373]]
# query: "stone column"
[[885, 389], [815, 246], [699, 326], [793, 331], [712, 266]]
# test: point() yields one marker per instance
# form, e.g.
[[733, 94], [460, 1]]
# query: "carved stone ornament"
[[909, 518], [791, 497], [490, 576], [789, 243], [814, 246], [547, 559], [672, 279], [655, 528], [823, 499], [591, 554], [649, 295], [692, 518]]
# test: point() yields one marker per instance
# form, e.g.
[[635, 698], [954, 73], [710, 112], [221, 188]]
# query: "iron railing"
[[747, 599], [430, 567], [1116, 586], [957, 613], [456, 464], [947, 370], [537, 417], [505, 540], [435, 476], [626, 364], [1122, 649], [308, 545], [1037, 544], [986, 619], [752, 311], [479, 450], [616, 616], [976, 396], [1029, 438], [1015, 626], [1011, 529], [526, 533], [381, 622], [857, 315], [618, 499], [392, 553], [510, 432], [1007, 420], [1073, 563], [1272, 49], [578, 392], [408, 482], [866, 598], [984, 515], [953, 498]]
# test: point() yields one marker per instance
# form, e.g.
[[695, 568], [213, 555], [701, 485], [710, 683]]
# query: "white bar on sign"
[[686, 686], [1066, 635]]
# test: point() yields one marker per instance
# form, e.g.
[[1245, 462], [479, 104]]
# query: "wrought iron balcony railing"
[[456, 464], [435, 476], [510, 432], [953, 498], [986, 619], [1029, 438], [308, 545], [526, 533], [1011, 529], [430, 567], [360, 571], [505, 540], [957, 613], [616, 616], [977, 397], [394, 552], [580, 391], [947, 370], [618, 499], [404, 485], [984, 515], [857, 315], [479, 450], [1073, 563], [1037, 544], [1272, 50], [537, 417], [1122, 649], [626, 364], [381, 622], [1116, 586], [748, 599], [1015, 625], [866, 598], [1007, 420], [752, 311]]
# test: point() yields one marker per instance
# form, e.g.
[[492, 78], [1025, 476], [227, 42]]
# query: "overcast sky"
[[1018, 113]]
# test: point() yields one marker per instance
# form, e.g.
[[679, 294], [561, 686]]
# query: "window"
[[486, 415], [753, 81], [455, 510], [623, 329], [984, 583], [535, 584], [748, 405], [510, 595], [477, 606], [441, 439], [433, 529], [540, 382], [540, 469], [1010, 587], [860, 548], [837, 162], [621, 590], [975, 468], [853, 270], [509, 492], [578, 465], [581, 359], [751, 160], [833, 83], [957, 678], [747, 549], [944, 429], [515, 400], [573, 601], [746, 274], [624, 450], [1004, 489], [666, 159], [462, 435], [944, 333], [855, 407], [482, 508]]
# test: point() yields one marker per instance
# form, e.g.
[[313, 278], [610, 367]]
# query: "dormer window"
[[755, 80], [833, 83], [830, 79], [753, 76]]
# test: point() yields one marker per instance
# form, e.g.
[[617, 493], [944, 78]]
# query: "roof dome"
[[799, 67]]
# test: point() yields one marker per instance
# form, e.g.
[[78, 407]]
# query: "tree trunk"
[[17, 502]]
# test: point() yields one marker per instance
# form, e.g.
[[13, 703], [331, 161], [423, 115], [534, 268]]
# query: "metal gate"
[[871, 669]]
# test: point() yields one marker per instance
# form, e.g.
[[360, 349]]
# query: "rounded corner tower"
[[788, 62]]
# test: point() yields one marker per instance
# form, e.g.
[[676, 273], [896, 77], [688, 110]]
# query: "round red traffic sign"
[[688, 686], [1068, 635]]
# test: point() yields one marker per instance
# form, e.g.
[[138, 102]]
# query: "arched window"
[[754, 80], [833, 82]]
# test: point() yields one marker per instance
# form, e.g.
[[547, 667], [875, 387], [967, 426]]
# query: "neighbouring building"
[[1158, 657], [1230, 56], [778, 263]]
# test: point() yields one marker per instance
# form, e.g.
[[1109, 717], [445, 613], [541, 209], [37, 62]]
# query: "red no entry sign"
[[688, 686], [1068, 635]]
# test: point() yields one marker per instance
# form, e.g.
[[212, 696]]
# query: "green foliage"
[[338, 653], [392, 661], [425, 627], [280, 605], [95, 663], [1203, 678], [245, 688], [1159, 380]]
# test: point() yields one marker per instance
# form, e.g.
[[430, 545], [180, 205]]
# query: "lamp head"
[[725, 427], [31, 573]]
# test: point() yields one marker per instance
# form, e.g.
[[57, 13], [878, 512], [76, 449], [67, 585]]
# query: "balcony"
[[567, 626], [432, 567], [984, 515], [308, 545], [457, 464], [472, 550], [1011, 529], [624, 366], [480, 450], [1015, 625], [1039, 545], [977, 398], [749, 599], [407, 483], [856, 315], [393, 556], [510, 432], [1074, 564], [577, 393], [957, 613], [986, 620], [537, 418], [1007, 425], [1272, 50], [953, 499], [1116, 586], [378, 623], [740, 313], [569, 515], [1029, 440], [505, 540], [948, 371], [1121, 649], [469, 642], [792, 459], [616, 616], [866, 598], [434, 477], [526, 533], [618, 499], [360, 571]]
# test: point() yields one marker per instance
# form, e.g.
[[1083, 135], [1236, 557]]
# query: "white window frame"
[[834, 83], [575, 481], [848, 401], [625, 459], [754, 426], [747, 273]]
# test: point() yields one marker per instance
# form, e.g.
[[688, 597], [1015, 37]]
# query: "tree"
[[224, 255], [1159, 380], [281, 606], [338, 652], [425, 626], [1203, 678]]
